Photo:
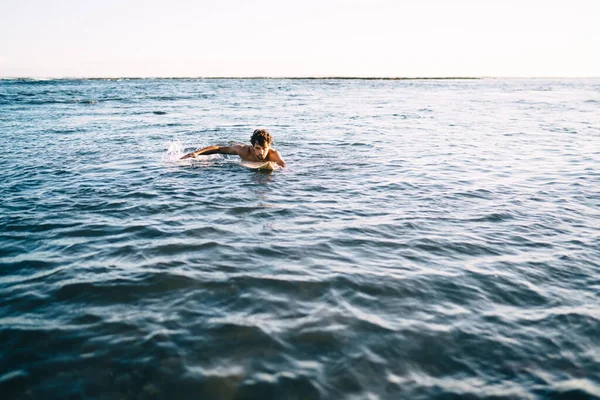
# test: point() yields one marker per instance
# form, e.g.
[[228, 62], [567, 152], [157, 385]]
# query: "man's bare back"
[[260, 150]]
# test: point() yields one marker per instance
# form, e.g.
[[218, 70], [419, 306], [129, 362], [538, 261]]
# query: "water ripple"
[[428, 239]]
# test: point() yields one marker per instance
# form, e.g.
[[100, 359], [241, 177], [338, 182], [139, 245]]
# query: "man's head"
[[261, 143]]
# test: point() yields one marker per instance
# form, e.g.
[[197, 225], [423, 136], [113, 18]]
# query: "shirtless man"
[[260, 150]]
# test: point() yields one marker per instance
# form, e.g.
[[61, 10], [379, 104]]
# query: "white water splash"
[[175, 150]]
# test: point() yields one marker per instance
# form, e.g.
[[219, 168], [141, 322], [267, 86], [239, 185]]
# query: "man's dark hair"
[[262, 137]]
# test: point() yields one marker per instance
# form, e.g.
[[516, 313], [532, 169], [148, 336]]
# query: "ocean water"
[[429, 239]]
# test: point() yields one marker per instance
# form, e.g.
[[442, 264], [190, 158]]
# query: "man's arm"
[[277, 158], [213, 150]]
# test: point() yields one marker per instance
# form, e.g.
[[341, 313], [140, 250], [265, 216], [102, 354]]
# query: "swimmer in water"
[[260, 150]]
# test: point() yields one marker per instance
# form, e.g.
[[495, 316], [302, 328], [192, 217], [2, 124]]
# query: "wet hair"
[[262, 137]]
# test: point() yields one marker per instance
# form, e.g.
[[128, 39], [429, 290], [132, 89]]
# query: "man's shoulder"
[[273, 153], [275, 156]]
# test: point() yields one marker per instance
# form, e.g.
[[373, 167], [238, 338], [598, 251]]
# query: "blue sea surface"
[[429, 239]]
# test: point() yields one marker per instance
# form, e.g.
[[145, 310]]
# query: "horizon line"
[[316, 77], [247, 77]]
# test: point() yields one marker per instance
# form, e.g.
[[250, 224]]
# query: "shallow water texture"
[[429, 239]]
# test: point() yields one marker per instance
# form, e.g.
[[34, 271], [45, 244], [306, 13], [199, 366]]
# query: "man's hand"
[[188, 155]]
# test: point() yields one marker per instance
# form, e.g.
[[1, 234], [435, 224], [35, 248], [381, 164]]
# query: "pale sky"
[[388, 38]]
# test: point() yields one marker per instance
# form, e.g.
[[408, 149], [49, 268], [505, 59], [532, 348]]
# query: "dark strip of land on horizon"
[[366, 78]]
